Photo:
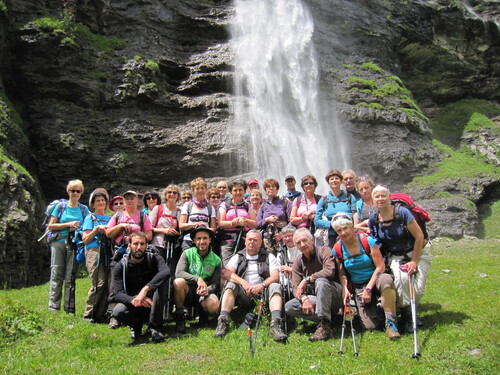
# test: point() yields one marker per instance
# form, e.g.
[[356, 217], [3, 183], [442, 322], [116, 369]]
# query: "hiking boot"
[[113, 323], [136, 332], [222, 326], [408, 319], [180, 324], [391, 329], [276, 331], [323, 332], [156, 335]]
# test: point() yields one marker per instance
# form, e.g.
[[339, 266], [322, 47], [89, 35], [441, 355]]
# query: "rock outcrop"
[[138, 94]]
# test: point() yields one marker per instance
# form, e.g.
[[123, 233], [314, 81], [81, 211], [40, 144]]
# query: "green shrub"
[[17, 322]]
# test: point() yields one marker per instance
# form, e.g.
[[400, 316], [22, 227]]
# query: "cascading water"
[[280, 122]]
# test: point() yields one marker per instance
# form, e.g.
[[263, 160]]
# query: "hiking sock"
[[276, 314], [390, 316], [224, 313]]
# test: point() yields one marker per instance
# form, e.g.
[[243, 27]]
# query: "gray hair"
[[303, 231], [349, 171], [252, 231], [288, 228], [340, 219], [381, 188]]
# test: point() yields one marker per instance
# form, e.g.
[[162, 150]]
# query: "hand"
[[307, 307], [301, 289], [287, 270], [202, 289], [410, 267], [346, 295], [74, 225], [102, 229], [365, 296], [248, 288]]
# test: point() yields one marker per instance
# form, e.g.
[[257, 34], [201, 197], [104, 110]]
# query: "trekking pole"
[[411, 281], [259, 315], [343, 331], [353, 332], [249, 333], [348, 311], [238, 241], [168, 256]]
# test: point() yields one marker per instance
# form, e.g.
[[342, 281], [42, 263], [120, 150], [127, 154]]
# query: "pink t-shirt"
[[134, 220], [234, 212], [303, 208]]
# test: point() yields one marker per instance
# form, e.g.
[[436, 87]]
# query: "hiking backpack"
[[53, 235], [403, 200], [362, 238]]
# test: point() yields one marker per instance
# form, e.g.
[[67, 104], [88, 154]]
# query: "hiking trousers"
[[326, 297], [63, 269], [401, 278], [97, 297]]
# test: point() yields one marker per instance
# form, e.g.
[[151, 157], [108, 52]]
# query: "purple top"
[[273, 208]]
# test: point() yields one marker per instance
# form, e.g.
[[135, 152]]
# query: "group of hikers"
[[177, 255]]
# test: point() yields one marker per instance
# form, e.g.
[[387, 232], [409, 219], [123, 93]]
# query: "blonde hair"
[[198, 182], [171, 187], [75, 184]]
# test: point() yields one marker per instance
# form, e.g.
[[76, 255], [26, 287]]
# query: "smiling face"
[[99, 203], [334, 182], [202, 242], [365, 189], [308, 185], [344, 231], [118, 204], [381, 199], [131, 201], [200, 192], [237, 192], [222, 187]]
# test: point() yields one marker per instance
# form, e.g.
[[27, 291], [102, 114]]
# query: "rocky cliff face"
[[138, 94]]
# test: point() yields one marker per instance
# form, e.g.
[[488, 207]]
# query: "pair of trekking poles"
[[348, 312]]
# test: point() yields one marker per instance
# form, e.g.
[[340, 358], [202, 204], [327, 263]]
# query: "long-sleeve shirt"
[[152, 271], [318, 266], [208, 268]]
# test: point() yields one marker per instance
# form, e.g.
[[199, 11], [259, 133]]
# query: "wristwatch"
[[308, 279], [264, 284], [368, 289]]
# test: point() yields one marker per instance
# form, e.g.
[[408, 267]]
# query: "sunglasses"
[[118, 203], [149, 198], [185, 197], [172, 192], [76, 191], [215, 197], [308, 183], [222, 187]]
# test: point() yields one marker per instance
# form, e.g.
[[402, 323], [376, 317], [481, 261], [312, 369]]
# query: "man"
[[223, 189], [139, 288], [317, 296], [291, 193], [349, 180], [197, 277], [249, 273]]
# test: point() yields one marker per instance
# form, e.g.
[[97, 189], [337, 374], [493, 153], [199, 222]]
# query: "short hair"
[[94, 196], [271, 181], [198, 182], [153, 194], [340, 219], [253, 231], [74, 184], [349, 171], [381, 188], [213, 191], [334, 172], [186, 192], [237, 182], [171, 187], [365, 179], [256, 191], [305, 231], [308, 177], [288, 228], [138, 234]]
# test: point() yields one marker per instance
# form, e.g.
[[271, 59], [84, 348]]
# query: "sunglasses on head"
[[75, 191]]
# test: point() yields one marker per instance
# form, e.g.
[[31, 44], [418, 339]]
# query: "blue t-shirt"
[[90, 223], [69, 214], [341, 203], [394, 237], [359, 267]]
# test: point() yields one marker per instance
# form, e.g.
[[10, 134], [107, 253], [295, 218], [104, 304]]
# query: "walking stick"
[[413, 296], [348, 311], [259, 316], [169, 257], [238, 241]]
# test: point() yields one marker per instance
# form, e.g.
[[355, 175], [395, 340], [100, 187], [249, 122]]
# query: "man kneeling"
[[139, 288], [317, 296], [249, 273], [197, 276]]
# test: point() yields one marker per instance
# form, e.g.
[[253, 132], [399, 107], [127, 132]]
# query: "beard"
[[137, 254]]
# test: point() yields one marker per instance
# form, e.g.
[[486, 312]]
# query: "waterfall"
[[281, 125]]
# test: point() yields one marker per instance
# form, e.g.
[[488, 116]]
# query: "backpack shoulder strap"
[[61, 208], [364, 242], [141, 219], [338, 249], [158, 214]]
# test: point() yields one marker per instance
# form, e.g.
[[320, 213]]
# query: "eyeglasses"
[[76, 191], [185, 198], [150, 198], [348, 178], [222, 187], [172, 192], [215, 197], [308, 183], [118, 203]]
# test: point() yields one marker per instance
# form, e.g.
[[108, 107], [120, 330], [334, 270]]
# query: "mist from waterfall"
[[281, 125]]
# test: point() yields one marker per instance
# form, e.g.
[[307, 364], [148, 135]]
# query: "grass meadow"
[[460, 334]]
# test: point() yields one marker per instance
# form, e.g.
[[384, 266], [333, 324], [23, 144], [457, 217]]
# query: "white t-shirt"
[[251, 274], [197, 215]]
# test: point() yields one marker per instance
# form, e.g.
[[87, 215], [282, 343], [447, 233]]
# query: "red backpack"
[[421, 215], [362, 238]]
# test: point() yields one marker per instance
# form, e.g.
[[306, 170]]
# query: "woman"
[[213, 195], [255, 199], [273, 215], [304, 206], [66, 217], [359, 260], [151, 200], [195, 213], [402, 241], [364, 206], [186, 196], [337, 200], [165, 220], [236, 218], [97, 257], [117, 203]]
